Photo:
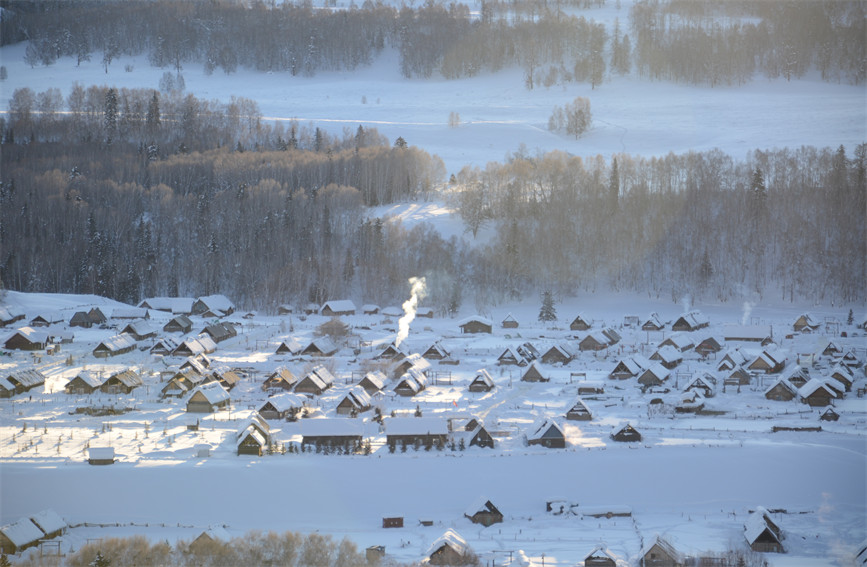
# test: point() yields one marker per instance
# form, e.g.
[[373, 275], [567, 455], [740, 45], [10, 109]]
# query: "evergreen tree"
[[547, 312], [400, 142], [100, 560], [110, 111], [152, 120], [614, 186], [4, 561]]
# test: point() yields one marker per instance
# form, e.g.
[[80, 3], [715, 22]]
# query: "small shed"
[[509, 322], [482, 511], [100, 455], [829, 415], [626, 434]]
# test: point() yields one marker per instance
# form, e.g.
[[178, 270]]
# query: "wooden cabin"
[[483, 512], [626, 434], [482, 382], [547, 433]]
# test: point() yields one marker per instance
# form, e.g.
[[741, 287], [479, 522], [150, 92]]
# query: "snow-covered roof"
[[250, 431], [813, 386], [541, 428], [358, 397], [322, 344], [667, 354], [285, 402], [128, 378], [8, 313], [452, 539], [100, 453], [26, 378], [747, 332], [680, 341], [118, 342], [217, 303], [658, 370], [416, 426], [376, 378], [325, 427], [292, 345], [214, 392], [169, 344], [49, 521], [665, 546], [129, 313], [139, 327], [480, 504], [782, 383], [90, 378], [484, 377], [171, 304], [756, 524], [475, 319], [370, 308], [339, 306], [22, 532], [392, 311], [31, 334]]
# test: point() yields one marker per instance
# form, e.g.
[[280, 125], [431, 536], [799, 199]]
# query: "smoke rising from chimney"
[[418, 290], [748, 308]]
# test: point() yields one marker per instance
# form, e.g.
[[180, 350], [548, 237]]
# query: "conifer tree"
[[547, 312]]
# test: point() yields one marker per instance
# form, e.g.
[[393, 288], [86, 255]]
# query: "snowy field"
[[692, 479]]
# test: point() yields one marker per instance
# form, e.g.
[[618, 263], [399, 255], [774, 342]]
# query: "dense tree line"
[[701, 42], [94, 202], [785, 221], [706, 42]]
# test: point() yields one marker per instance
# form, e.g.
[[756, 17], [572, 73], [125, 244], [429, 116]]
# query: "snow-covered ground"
[[692, 479]]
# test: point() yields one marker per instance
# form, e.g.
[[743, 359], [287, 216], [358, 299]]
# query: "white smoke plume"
[[418, 290], [748, 308], [687, 303]]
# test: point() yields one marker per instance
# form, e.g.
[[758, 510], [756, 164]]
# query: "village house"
[[580, 323], [114, 346], [195, 347], [212, 306], [690, 402], [829, 415], [590, 387], [290, 346], [476, 325], [781, 391], [208, 398], [424, 312], [762, 334], [668, 356], [681, 342], [9, 315], [391, 352], [83, 383], [482, 382], [20, 381], [558, 354], [280, 379], [579, 412], [178, 324], [411, 383], [626, 434], [355, 401], [373, 382], [18, 536], [81, 319], [732, 359], [165, 346], [97, 316], [738, 377], [181, 383], [225, 376], [629, 367], [27, 338], [435, 352], [509, 322], [370, 309], [174, 305], [206, 540], [770, 361], [219, 332], [653, 323], [479, 437], [547, 433], [844, 375], [337, 308], [805, 324], [131, 313], [710, 345], [449, 549], [482, 511], [321, 346], [100, 456], [315, 382], [122, 382], [660, 553], [510, 357], [704, 382], [46, 319], [762, 534], [655, 375], [282, 406], [415, 431], [533, 373], [691, 321], [250, 442], [50, 523], [332, 433], [403, 365], [816, 393], [601, 557], [139, 330], [594, 341]]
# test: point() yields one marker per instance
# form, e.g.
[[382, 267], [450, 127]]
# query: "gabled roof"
[[481, 504], [483, 377], [633, 364], [653, 320], [783, 383], [129, 313], [31, 334], [451, 539], [181, 305], [26, 378], [416, 426], [693, 319], [375, 379], [665, 547], [756, 525], [322, 345], [140, 327], [357, 397], [22, 532], [324, 427], [49, 521], [667, 355], [217, 303], [813, 386], [214, 393], [290, 345], [680, 341], [117, 343], [168, 344], [128, 378], [284, 402], [90, 378], [545, 429], [339, 306]]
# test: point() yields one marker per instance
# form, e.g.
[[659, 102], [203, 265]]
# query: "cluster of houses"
[[30, 532]]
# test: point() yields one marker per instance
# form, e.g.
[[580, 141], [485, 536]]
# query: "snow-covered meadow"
[[692, 479]]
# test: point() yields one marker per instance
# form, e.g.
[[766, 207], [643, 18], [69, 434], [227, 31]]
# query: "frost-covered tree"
[[547, 311]]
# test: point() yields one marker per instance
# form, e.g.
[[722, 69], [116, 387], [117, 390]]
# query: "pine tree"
[[4, 561], [152, 120], [100, 560], [547, 312], [851, 318], [110, 111]]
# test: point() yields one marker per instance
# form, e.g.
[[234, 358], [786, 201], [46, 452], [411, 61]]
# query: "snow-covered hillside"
[[693, 478]]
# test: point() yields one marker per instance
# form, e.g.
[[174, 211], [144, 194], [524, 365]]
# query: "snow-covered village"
[[573, 283]]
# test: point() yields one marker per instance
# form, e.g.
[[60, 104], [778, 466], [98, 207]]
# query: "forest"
[[695, 42], [137, 193]]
